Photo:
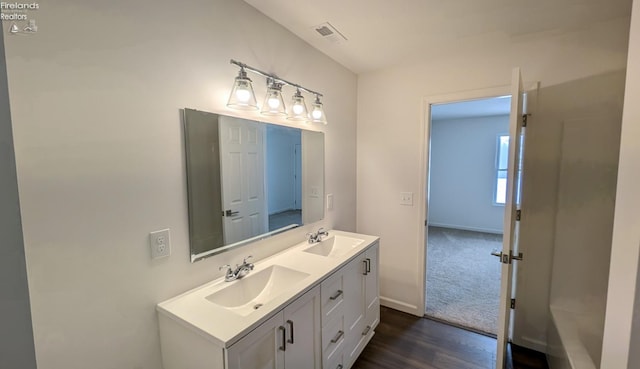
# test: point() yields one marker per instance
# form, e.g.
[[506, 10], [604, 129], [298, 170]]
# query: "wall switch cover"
[[314, 192], [330, 201], [160, 242], [406, 198]]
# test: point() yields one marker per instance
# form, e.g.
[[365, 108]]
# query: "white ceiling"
[[472, 108], [382, 33]]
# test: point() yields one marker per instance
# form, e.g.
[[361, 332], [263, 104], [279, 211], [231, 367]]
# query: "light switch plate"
[[330, 201], [314, 192], [160, 243], [406, 198]]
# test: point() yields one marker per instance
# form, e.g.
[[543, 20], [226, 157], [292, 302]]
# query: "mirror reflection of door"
[[242, 161]]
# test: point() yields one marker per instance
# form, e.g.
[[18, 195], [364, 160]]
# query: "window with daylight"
[[502, 159]]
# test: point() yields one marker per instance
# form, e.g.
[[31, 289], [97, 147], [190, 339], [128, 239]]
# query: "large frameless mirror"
[[248, 180]]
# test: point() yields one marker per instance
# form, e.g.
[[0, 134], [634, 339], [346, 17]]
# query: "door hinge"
[[518, 215], [525, 119], [513, 303]]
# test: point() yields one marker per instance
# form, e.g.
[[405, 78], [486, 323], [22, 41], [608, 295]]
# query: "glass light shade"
[[317, 112], [298, 110], [273, 101], [242, 96]]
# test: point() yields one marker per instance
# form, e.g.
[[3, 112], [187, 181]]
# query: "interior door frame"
[[423, 180], [531, 89]]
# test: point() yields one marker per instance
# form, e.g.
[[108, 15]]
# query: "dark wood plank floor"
[[405, 341]]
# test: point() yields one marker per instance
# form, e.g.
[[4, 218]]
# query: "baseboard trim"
[[531, 343], [465, 228], [400, 306]]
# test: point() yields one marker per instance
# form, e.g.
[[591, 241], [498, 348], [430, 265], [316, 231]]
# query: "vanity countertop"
[[224, 327]]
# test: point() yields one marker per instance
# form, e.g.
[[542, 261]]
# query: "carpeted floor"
[[463, 279]]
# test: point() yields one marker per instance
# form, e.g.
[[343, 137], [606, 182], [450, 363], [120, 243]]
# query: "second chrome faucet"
[[315, 237]]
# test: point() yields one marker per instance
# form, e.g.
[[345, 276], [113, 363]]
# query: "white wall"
[[95, 99], [622, 324], [463, 173], [280, 168], [581, 72], [16, 339]]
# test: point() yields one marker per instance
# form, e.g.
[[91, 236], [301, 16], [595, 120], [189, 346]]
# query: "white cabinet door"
[[302, 323], [263, 348], [354, 307], [372, 292], [291, 339]]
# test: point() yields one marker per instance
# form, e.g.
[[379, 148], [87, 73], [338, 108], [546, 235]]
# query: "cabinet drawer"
[[336, 362], [333, 336], [332, 295]]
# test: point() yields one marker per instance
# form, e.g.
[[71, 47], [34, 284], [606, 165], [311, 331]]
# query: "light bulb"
[[297, 109], [243, 95], [273, 102], [316, 114]]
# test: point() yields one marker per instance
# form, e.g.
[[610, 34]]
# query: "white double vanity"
[[310, 306]]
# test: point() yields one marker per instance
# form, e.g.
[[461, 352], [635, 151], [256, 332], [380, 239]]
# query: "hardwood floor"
[[405, 341]]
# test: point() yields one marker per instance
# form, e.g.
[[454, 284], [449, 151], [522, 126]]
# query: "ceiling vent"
[[328, 32]]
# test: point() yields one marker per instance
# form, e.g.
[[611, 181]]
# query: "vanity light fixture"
[[273, 102], [317, 112], [242, 97]]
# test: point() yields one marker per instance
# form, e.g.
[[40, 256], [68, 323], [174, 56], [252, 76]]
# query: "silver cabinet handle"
[[290, 326], [336, 295], [337, 337], [284, 338], [366, 331]]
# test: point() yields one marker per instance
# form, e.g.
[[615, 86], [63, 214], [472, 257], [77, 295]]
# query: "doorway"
[[467, 192]]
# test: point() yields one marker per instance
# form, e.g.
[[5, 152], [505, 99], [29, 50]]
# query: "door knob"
[[231, 213], [504, 258]]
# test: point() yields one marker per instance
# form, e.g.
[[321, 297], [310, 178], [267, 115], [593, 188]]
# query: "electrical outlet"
[[160, 242], [406, 198]]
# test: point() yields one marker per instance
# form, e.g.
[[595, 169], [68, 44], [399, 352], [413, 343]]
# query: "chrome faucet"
[[240, 271], [317, 236]]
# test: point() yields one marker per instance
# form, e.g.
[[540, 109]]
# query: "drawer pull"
[[364, 272], [284, 339], [337, 337], [291, 327], [366, 331], [368, 265], [336, 295]]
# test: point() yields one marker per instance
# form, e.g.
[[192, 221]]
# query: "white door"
[[244, 202], [511, 210]]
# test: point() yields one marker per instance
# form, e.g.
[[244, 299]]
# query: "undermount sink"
[[334, 246], [248, 294]]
